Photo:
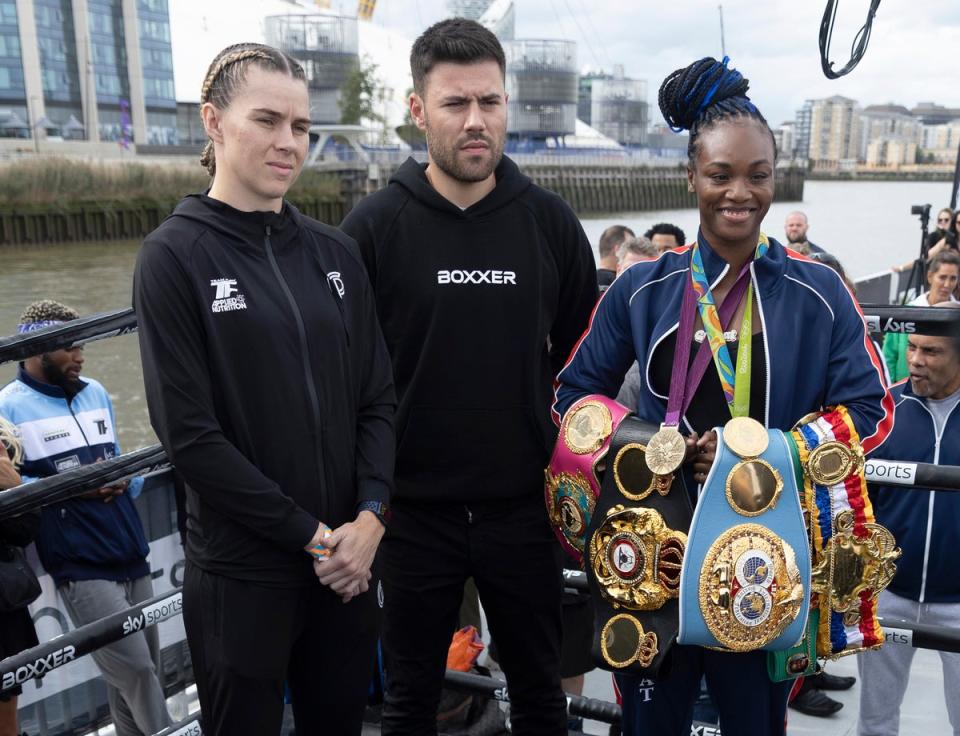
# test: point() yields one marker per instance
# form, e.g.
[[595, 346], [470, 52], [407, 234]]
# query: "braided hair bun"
[[703, 93], [687, 94]]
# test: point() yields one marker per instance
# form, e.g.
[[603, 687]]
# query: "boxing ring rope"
[[36, 662], [496, 689], [75, 332], [72, 483], [889, 319]]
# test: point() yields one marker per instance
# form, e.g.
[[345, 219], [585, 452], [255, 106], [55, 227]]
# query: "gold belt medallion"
[[623, 642], [851, 565], [586, 428], [750, 587], [753, 487], [637, 558], [833, 461], [571, 504], [633, 477]]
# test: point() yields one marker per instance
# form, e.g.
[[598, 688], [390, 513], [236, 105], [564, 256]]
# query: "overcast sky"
[[914, 53]]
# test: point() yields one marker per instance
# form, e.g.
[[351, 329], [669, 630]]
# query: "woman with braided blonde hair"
[[269, 385]]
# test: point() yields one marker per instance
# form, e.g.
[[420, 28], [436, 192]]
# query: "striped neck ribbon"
[[735, 382]]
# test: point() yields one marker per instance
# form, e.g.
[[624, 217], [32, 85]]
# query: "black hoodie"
[[267, 380], [480, 308]]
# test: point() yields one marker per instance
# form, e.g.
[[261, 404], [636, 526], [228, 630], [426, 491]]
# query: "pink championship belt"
[[572, 482]]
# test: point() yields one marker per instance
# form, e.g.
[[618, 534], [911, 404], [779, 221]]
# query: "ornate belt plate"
[[637, 558], [750, 587]]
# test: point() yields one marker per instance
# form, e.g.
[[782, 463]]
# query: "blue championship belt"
[[745, 583]]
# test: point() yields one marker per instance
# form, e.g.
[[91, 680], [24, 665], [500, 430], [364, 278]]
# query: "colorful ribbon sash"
[[853, 556]]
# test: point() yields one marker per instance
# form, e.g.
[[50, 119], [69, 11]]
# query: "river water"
[[866, 224]]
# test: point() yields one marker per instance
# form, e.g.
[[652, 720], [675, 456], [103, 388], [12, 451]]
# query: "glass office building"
[[100, 70], [156, 57], [13, 96]]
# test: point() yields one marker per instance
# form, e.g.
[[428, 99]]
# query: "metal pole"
[[723, 43], [956, 183], [33, 124]]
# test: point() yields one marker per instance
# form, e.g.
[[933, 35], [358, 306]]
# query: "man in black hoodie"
[[483, 283]]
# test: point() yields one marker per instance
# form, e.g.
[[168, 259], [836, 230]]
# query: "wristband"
[[318, 551], [377, 508]]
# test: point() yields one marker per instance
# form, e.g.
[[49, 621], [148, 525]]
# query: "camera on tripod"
[[917, 273]]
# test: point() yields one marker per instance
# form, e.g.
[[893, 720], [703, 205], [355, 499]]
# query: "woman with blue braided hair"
[[787, 323]]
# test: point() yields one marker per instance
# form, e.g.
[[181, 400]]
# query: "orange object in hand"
[[464, 649]]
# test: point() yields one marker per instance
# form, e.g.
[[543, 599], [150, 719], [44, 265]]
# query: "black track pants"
[[246, 640], [510, 551]]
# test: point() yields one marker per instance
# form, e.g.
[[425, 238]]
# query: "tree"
[[359, 95]]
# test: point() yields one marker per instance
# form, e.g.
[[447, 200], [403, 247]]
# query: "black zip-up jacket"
[[267, 379], [480, 308]]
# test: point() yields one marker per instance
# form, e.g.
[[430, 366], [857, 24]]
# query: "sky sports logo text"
[[154, 614]]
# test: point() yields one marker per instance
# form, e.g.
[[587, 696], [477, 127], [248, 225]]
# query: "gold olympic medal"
[[666, 450], [753, 487], [832, 462], [586, 427], [746, 437]]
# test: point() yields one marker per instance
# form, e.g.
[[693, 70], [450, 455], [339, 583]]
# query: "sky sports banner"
[[63, 694]]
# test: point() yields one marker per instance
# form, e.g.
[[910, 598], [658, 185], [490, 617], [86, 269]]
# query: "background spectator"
[[610, 241], [93, 547], [926, 525], [665, 236]]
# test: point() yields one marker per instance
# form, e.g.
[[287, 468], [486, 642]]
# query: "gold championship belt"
[[633, 556], [853, 556]]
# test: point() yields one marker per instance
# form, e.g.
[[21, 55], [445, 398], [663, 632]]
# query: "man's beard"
[[56, 377], [446, 159], [797, 239]]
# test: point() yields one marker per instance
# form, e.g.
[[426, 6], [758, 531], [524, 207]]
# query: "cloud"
[[911, 57]]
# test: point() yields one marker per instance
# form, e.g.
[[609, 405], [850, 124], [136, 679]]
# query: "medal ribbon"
[[681, 390], [712, 326]]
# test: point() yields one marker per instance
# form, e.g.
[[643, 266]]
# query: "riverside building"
[[90, 70]]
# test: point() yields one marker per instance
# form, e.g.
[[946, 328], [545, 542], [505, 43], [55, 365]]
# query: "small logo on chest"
[[490, 276], [56, 434], [336, 283], [227, 297]]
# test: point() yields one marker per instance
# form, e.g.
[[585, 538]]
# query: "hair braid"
[[10, 441], [700, 95], [227, 71]]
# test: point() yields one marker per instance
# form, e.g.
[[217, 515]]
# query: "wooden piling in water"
[[589, 190]]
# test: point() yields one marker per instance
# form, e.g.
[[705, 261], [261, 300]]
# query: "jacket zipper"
[[938, 435], [307, 373]]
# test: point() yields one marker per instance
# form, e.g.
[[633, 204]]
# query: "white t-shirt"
[[941, 408], [923, 301]]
